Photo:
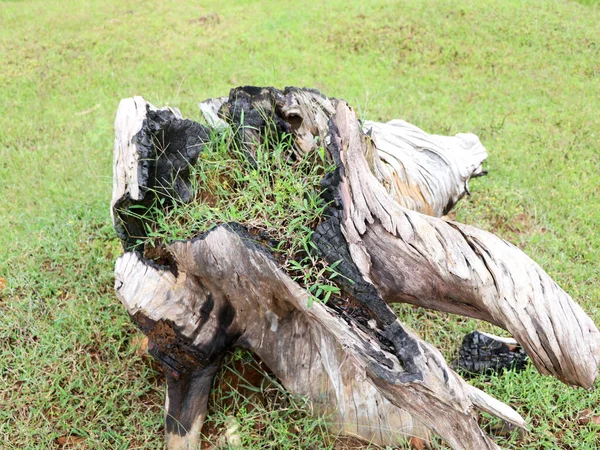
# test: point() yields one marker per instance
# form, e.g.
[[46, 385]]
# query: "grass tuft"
[[274, 193]]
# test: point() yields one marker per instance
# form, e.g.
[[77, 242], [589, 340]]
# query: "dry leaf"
[[586, 417], [417, 444], [69, 441], [139, 343]]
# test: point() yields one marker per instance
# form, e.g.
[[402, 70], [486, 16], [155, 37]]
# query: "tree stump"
[[226, 284]]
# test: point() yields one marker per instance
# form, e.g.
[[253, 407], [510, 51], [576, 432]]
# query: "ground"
[[524, 77]]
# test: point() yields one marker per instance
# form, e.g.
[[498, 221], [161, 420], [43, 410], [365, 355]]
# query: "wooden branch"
[[424, 172], [414, 258]]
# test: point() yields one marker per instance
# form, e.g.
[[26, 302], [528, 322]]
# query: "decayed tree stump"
[[224, 288]]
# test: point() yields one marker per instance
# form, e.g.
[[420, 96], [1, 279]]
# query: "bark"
[[224, 289]]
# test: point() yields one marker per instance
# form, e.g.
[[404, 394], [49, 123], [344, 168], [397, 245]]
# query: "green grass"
[[265, 416], [524, 77], [269, 189]]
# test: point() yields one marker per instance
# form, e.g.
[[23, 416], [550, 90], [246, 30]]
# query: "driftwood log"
[[392, 182]]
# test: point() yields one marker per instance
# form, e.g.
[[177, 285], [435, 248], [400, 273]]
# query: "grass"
[[524, 77], [272, 191], [265, 415]]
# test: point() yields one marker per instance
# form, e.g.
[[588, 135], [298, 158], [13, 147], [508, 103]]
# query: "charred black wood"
[[252, 113], [168, 148], [486, 354]]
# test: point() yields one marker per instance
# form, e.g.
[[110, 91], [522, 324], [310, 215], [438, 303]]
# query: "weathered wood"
[[444, 265], [228, 291], [423, 172], [223, 289]]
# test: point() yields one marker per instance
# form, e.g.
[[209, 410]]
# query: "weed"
[[274, 193], [266, 416]]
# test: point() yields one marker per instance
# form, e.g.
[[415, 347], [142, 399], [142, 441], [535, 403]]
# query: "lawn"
[[524, 76]]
